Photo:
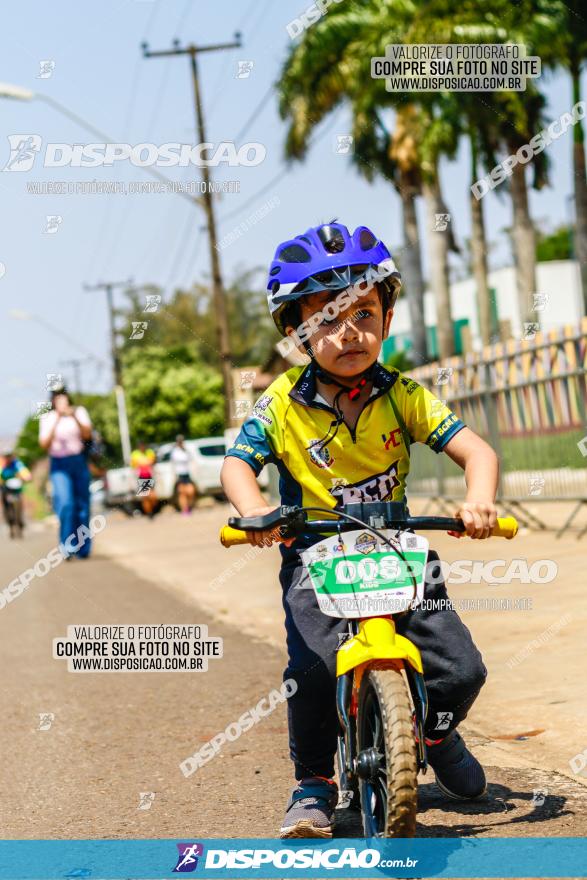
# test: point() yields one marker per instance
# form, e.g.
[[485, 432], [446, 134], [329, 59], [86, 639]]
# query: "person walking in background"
[[184, 485], [142, 461], [63, 432]]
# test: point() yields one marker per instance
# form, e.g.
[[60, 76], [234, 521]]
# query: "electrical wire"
[[219, 83], [127, 119], [183, 17], [256, 112], [285, 170], [192, 259], [117, 239], [181, 249]]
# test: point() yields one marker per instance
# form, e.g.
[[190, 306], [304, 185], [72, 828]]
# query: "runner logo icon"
[[188, 857]]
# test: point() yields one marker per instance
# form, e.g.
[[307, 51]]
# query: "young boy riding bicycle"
[[339, 430]]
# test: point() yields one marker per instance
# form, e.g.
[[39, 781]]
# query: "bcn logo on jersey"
[[442, 428], [377, 488]]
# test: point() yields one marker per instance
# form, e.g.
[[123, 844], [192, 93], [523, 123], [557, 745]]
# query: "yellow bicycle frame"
[[376, 640]]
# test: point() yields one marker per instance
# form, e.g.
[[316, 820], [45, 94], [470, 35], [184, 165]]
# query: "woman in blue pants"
[[62, 432]]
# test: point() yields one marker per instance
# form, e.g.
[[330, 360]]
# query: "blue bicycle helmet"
[[327, 257]]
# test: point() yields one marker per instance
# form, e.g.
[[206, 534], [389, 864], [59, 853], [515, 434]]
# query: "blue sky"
[[100, 74]]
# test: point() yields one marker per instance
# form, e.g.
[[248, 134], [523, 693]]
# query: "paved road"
[[115, 736]]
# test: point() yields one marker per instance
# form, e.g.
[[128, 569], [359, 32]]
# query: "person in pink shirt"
[[63, 432]]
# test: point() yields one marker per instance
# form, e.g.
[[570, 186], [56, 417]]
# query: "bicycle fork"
[[375, 639]]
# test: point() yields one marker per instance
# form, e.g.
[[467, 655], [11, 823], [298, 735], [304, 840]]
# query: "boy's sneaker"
[[459, 774], [310, 811]]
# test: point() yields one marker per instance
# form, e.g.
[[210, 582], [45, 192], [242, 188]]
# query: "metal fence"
[[528, 399]]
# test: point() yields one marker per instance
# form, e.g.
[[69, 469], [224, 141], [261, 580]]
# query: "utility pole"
[[222, 331], [76, 364], [108, 287]]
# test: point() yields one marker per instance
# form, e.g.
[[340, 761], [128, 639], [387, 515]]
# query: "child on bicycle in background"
[[13, 474], [339, 430]]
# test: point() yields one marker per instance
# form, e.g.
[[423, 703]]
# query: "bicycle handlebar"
[[292, 521]]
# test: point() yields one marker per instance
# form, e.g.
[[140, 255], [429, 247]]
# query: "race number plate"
[[364, 577]]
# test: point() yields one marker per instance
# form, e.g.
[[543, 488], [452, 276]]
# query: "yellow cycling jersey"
[[368, 463]]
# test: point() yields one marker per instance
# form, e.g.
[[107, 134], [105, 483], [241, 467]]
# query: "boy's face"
[[349, 343]]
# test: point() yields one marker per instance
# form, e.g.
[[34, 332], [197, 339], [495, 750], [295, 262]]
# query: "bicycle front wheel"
[[386, 764]]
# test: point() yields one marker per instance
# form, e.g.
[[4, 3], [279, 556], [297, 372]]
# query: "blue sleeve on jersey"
[[252, 446], [445, 431]]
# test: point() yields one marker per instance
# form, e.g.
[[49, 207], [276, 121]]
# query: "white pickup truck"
[[207, 457]]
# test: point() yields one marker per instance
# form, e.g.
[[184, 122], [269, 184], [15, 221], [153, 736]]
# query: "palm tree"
[[495, 121], [414, 147], [438, 136], [479, 245], [378, 152], [518, 116], [332, 64], [557, 32]]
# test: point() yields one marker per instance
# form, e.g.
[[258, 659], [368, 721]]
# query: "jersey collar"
[[304, 391]]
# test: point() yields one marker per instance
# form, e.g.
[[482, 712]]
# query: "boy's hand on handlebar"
[[479, 519], [267, 537]]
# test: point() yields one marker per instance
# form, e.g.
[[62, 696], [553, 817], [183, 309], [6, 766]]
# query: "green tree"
[[557, 245], [188, 319], [400, 360], [556, 30], [331, 65], [495, 122], [168, 392], [27, 445]]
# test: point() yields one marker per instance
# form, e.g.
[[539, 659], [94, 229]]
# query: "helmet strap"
[[353, 391]]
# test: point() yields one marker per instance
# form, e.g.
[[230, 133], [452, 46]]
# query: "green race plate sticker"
[[361, 576]]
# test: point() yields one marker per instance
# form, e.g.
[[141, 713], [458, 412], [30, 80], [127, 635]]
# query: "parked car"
[[208, 455], [97, 496]]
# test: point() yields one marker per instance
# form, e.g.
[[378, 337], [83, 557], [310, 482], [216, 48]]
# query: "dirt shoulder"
[[115, 737], [534, 652]]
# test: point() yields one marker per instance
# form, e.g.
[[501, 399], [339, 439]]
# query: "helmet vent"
[[367, 240], [294, 253], [332, 239], [276, 270]]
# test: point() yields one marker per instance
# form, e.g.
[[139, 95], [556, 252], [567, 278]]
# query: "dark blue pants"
[[70, 479], [453, 668]]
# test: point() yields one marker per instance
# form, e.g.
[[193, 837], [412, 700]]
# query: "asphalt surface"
[[107, 766]]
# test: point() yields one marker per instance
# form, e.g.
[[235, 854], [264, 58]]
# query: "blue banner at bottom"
[[256, 857]]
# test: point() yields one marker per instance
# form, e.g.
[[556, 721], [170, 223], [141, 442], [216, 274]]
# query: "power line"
[[262, 14], [58, 332], [183, 17], [181, 249], [192, 260], [222, 330], [285, 170], [249, 9], [256, 195], [130, 109], [219, 84], [76, 365], [254, 114], [164, 224], [108, 288]]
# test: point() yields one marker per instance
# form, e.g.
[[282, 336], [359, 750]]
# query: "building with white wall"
[[559, 280]]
